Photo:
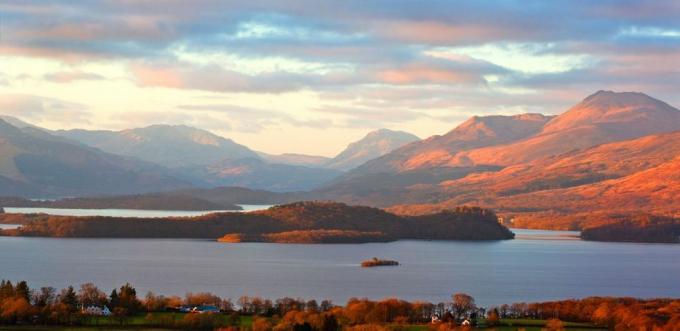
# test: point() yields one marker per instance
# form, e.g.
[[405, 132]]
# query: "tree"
[[153, 302], [22, 290], [90, 295], [326, 305], [45, 297], [463, 304], [492, 318], [69, 298], [15, 309], [114, 301], [127, 299], [6, 289], [312, 306], [262, 324]]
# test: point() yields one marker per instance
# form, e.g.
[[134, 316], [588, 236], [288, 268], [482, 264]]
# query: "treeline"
[[20, 304], [280, 222], [309, 237], [219, 198], [606, 312], [635, 228]]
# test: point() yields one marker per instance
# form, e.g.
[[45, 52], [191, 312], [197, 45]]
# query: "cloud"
[[43, 109], [245, 119], [71, 76], [350, 63]]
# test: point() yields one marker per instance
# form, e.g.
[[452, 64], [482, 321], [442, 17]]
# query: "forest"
[[635, 228], [309, 221], [23, 305]]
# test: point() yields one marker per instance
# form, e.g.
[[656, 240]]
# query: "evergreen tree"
[[6, 289], [69, 298], [114, 301], [23, 291]]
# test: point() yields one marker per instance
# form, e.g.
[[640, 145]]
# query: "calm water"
[[123, 212], [494, 272]]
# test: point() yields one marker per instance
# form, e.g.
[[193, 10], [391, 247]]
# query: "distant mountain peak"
[[604, 98], [631, 109], [375, 144], [174, 146]]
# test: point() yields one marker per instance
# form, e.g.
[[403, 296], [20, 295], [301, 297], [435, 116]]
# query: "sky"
[[311, 76]]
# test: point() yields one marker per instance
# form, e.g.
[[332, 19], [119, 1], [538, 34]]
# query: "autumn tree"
[[90, 295], [46, 296], [462, 305], [492, 317], [262, 324]]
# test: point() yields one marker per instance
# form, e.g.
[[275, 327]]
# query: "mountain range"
[[36, 164], [611, 152], [176, 155]]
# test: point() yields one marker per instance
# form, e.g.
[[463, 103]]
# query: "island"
[[376, 262], [299, 222]]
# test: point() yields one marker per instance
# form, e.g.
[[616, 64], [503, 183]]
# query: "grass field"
[[145, 322]]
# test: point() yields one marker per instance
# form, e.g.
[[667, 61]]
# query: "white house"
[[96, 311]]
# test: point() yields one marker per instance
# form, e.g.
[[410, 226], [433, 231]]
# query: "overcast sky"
[[311, 76]]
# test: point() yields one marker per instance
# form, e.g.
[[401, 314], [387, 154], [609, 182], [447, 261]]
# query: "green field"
[[146, 322], [138, 322]]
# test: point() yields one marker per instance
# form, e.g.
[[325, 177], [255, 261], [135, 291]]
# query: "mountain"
[[374, 144], [478, 131], [17, 123], [607, 136], [296, 159], [255, 173], [206, 159], [384, 181], [173, 146], [600, 118], [34, 163]]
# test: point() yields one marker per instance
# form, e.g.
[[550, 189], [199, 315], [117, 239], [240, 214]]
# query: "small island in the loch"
[[376, 262]]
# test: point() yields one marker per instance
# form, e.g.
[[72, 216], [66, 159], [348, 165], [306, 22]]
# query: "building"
[[206, 309], [96, 311]]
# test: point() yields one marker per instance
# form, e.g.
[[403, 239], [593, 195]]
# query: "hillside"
[[256, 174], [206, 159], [172, 146], [607, 152], [600, 118], [375, 144], [34, 163], [312, 161], [458, 224], [478, 131]]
